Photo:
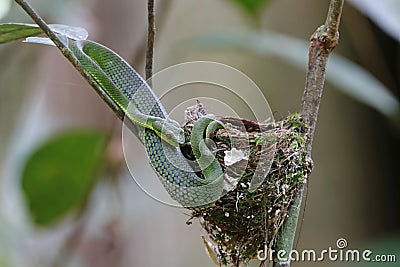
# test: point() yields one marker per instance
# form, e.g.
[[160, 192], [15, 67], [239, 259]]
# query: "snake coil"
[[133, 95]]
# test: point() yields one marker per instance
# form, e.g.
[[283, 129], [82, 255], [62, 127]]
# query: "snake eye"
[[168, 136]]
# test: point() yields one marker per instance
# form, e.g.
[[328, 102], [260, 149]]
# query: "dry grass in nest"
[[241, 223]]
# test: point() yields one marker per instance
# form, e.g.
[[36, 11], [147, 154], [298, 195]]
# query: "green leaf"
[[348, 77], [253, 7], [16, 31], [59, 175]]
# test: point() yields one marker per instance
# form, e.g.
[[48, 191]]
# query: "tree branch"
[[323, 41], [140, 53], [151, 28]]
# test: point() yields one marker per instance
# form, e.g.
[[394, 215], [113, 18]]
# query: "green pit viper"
[[160, 135]]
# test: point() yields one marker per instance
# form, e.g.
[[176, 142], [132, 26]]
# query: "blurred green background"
[[66, 196]]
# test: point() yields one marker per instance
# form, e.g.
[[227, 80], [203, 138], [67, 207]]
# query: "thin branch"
[[323, 41], [140, 53], [287, 233], [333, 20], [70, 56], [151, 28]]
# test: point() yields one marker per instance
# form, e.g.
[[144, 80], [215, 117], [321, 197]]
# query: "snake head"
[[169, 130]]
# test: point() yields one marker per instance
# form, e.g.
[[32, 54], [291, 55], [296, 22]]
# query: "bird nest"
[[242, 223]]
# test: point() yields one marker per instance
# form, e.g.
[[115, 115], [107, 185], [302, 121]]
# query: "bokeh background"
[[48, 115]]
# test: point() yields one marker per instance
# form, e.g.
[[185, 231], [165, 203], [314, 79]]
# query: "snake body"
[[159, 134], [210, 167]]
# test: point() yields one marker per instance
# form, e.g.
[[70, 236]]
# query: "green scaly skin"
[[209, 165], [159, 134]]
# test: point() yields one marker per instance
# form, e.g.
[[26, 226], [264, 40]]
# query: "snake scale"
[[160, 135]]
